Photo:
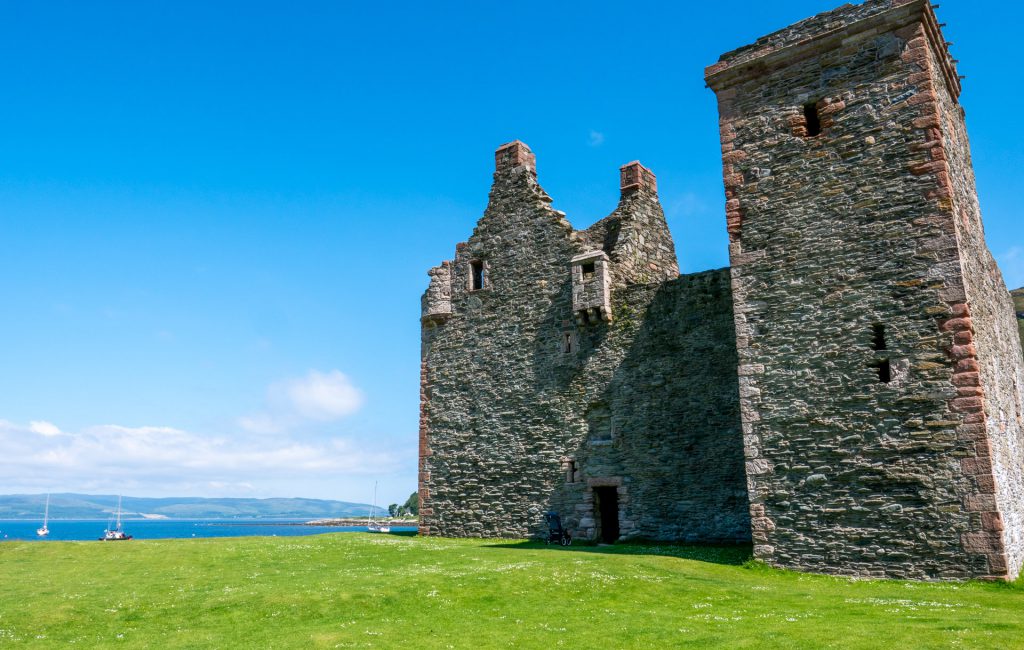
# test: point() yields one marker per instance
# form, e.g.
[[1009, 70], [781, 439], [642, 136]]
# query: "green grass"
[[390, 591]]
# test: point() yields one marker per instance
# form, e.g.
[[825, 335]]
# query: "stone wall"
[[863, 426], [1018, 305], [525, 409]]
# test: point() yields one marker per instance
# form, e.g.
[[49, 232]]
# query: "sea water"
[[87, 530]]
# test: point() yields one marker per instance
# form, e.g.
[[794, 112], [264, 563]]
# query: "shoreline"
[[348, 521]]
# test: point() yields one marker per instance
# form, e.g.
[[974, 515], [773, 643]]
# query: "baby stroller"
[[557, 534]]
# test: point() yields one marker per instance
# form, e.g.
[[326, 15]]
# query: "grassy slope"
[[357, 590]]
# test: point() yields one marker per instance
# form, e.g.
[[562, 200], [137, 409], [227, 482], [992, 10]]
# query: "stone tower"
[[880, 382]]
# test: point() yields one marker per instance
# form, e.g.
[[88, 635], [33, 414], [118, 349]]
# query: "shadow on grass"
[[729, 554], [404, 533]]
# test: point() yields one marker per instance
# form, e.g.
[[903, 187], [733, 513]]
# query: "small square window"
[[476, 280], [589, 269]]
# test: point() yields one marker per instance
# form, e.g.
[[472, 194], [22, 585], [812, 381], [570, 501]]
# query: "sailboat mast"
[[46, 513], [119, 512]]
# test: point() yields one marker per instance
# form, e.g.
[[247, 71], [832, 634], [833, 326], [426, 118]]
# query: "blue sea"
[[86, 530]]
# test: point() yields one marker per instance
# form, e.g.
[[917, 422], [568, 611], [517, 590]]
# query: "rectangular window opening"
[[570, 471], [588, 270], [813, 120], [477, 275], [884, 369], [567, 342], [878, 337]]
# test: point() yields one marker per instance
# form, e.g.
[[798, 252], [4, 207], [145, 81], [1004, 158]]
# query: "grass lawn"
[[350, 590]]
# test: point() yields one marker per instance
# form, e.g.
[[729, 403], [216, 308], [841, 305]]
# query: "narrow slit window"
[[813, 120], [884, 369], [878, 337], [570, 471], [476, 275], [588, 270], [567, 342]]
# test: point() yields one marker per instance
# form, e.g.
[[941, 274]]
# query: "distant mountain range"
[[94, 506]]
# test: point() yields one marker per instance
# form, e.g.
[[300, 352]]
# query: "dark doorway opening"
[[606, 502]]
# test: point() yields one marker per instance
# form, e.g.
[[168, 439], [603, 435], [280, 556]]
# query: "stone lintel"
[[588, 256]]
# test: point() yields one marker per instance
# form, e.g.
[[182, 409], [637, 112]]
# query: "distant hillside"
[[90, 506], [1018, 301]]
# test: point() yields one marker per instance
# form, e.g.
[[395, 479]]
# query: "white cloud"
[[323, 396], [317, 397], [163, 460], [1011, 263], [44, 428], [687, 204], [596, 138]]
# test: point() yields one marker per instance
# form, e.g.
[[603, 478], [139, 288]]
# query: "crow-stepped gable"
[[846, 396]]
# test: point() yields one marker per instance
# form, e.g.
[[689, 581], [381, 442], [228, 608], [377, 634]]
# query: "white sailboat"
[[43, 530], [375, 526], [115, 534]]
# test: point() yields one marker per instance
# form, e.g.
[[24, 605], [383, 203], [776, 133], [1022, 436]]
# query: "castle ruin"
[[846, 395]]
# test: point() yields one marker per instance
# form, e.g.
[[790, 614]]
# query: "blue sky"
[[216, 218]]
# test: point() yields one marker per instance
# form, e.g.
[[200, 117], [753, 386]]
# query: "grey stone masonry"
[[847, 395], [626, 422], [880, 371]]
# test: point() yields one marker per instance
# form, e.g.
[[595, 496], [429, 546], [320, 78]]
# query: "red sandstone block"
[[960, 309], [992, 521], [963, 352], [963, 338], [975, 417], [734, 156], [931, 167], [927, 121], [733, 180], [928, 97], [956, 324], [997, 566], [975, 466], [983, 542], [986, 484], [966, 404], [967, 379], [919, 78], [967, 365], [980, 502], [970, 391], [974, 431]]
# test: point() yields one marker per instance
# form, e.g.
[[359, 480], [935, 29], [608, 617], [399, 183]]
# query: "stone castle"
[[846, 395]]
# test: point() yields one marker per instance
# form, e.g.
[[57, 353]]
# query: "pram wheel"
[[566, 540]]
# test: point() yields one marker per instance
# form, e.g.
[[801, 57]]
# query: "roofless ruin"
[[846, 395]]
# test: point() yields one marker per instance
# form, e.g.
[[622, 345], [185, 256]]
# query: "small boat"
[[43, 530], [372, 525], [116, 534]]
